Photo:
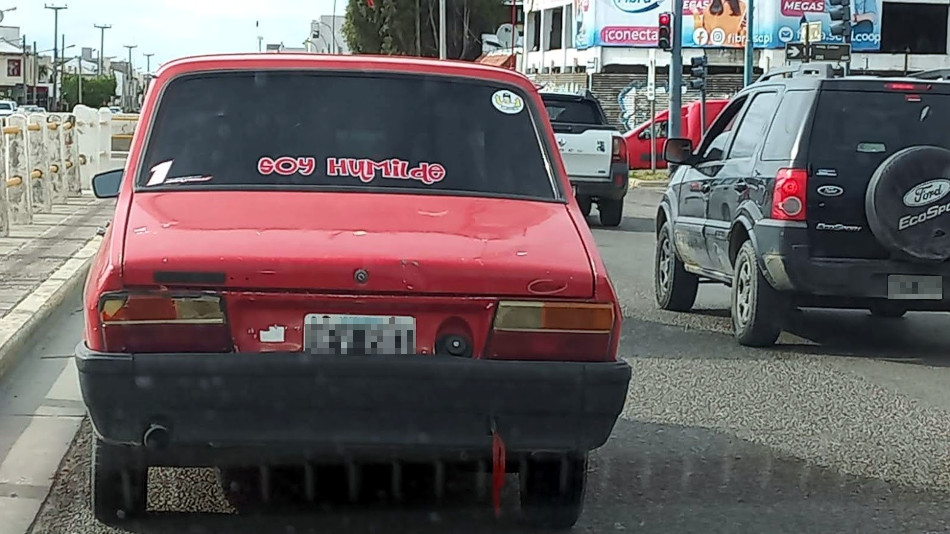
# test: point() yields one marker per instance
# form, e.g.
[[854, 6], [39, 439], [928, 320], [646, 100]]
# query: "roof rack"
[[817, 69]]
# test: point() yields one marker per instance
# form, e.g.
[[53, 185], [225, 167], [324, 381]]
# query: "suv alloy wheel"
[[675, 288], [757, 308]]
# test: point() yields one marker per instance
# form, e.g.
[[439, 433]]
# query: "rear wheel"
[[674, 287], [757, 308], [552, 491], [888, 310], [585, 203], [611, 211], [119, 487]]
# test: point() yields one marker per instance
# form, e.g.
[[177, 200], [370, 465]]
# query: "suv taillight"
[[564, 331], [788, 195], [618, 151], [163, 322]]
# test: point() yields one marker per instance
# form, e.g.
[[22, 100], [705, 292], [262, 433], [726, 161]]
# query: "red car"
[[378, 261]]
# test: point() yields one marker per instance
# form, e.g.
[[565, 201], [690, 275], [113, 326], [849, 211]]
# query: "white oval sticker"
[[507, 102], [927, 193]]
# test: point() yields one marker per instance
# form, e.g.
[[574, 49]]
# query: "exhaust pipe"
[[156, 437]]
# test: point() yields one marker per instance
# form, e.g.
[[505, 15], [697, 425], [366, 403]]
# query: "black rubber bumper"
[[605, 188], [384, 406], [835, 282]]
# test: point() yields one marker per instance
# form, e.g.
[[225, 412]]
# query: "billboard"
[[718, 23]]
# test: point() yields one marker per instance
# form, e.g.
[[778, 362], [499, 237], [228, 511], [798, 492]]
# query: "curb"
[[29, 315]]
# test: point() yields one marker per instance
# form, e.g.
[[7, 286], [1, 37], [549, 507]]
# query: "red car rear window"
[[286, 130]]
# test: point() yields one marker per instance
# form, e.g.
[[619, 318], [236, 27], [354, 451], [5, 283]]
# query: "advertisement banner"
[[718, 23]]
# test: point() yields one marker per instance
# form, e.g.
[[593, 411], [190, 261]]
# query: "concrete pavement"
[[42, 265]]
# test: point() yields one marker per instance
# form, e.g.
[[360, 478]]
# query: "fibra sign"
[[637, 6]]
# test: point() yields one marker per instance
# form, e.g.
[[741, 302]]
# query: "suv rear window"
[[860, 129], [397, 133], [574, 112]]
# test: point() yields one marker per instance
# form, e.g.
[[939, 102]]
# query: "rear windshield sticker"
[[507, 102], [188, 179], [158, 173], [286, 165], [394, 168]]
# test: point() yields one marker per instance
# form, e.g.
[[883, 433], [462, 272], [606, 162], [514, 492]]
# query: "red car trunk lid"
[[317, 241]]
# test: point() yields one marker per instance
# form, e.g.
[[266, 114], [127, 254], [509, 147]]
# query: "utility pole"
[[102, 43], [36, 72], [26, 93], [333, 49], [56, 9], [747, 72], [676, 71], [442, 45], [130, 84]]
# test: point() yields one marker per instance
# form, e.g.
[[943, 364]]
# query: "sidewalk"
[[41, 262]]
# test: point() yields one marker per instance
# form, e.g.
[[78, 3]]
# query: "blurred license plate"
[[907, 287], [359, 334]]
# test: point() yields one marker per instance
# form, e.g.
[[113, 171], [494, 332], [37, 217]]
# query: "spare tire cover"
[[908, 203]]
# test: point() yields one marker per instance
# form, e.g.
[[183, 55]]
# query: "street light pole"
[[102, 42], [747, 72], [442, 46], [148, 62], [130, 86], [56, 9]]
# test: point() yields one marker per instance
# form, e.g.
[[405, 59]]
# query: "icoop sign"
[[637, 6]]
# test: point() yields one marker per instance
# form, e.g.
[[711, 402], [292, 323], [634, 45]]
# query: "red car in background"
[[638, 139], [381, 262]]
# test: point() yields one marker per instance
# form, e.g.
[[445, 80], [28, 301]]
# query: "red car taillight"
[[159, 322], [618, 151], [788, 195], [551, 331]]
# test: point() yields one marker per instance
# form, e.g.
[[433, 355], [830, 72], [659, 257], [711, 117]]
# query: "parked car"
[[813, 191], [593, 152], [403, 280], [7, 108], [638, 139]]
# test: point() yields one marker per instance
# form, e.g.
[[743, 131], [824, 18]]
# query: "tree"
[[97, 91], [411, 27]]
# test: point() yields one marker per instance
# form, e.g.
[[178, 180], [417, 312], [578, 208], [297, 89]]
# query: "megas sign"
[[636, 6]]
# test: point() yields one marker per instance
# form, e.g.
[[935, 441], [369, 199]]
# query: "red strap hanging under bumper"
[[497, 470]]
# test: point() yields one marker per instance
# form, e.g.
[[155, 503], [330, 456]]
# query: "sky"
[[168, 28]]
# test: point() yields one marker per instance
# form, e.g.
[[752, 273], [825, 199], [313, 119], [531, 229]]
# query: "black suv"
[[812, 190]]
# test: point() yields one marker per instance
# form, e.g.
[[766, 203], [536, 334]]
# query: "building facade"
[[606, 43]]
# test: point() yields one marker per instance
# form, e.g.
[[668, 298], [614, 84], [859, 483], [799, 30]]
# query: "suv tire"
[[119, 488], [585, 203], [757, 308], [611, 211], [543, 503], [674, 287]]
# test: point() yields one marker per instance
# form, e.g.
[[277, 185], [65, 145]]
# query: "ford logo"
[[636, 6], [927, 193], [830, 191]]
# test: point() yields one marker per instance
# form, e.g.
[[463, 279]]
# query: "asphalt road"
[[843, 427]]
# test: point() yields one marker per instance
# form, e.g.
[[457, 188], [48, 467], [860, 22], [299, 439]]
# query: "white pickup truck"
[[593, 151]]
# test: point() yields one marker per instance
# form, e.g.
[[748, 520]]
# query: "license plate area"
[[345, 335], [914, 287]]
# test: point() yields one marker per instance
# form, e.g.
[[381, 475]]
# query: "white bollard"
[[57, 164], [17, 191], [72, 159], [42, 197]]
